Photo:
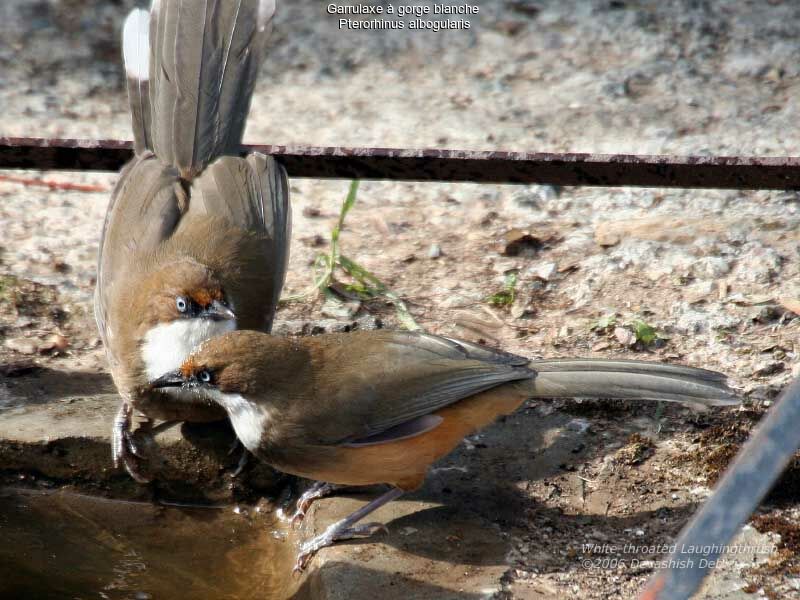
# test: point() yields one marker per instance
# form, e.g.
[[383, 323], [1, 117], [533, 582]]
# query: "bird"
[[379, 407], [195, 241]]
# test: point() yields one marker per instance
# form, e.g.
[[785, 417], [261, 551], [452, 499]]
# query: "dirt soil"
[[699, 277]]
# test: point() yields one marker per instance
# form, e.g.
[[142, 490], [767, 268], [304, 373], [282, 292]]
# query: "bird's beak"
[[217, 311], [171, 379]]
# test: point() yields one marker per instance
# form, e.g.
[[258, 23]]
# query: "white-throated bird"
[[380, 406], [196, 238]]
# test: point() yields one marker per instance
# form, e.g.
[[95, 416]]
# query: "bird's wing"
[[395, 378], [204, 60], [252, 195], [143, 211]]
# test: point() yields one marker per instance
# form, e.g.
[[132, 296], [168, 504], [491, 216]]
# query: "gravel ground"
[[714, 273]]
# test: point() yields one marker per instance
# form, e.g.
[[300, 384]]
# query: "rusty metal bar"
[[724, 172]]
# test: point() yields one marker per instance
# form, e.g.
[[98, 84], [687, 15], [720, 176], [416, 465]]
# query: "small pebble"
[[579, 425], [23, 345], [625, 336]]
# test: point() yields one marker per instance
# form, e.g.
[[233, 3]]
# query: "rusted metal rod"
[[724, 172]]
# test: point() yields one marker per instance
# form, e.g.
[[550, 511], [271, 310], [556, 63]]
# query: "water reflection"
[[66, 545]]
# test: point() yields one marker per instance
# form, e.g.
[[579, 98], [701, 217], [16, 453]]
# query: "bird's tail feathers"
[[136, 56], [628, 379], [203, 63]]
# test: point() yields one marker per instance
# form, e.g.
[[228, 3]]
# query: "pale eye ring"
[[204, 376], [182, 304]]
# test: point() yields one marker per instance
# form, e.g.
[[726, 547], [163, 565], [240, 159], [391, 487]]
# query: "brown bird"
[[195, 241], [380, 407]]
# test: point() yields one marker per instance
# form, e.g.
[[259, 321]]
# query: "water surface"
[[70, 546]]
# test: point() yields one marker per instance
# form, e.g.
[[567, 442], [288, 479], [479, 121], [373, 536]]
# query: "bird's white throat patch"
[[248, 419], [167, 345]]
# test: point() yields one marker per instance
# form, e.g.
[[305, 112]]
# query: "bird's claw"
[[334, 533], [125, 451], [301, 563], [132, 444], [132, 466], [319, 490], [303, 504], [298, 516], [243, 460], [235, 446]]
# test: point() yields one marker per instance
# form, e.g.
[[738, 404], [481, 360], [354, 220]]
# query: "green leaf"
[[644, 333], [376, 287], [508, 294], [366, 284], [503, 298], [333, 256], [605, 323], [348, 203]]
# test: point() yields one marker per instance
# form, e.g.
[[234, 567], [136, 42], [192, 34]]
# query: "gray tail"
[[630, 379], [191, 93], [136, 56]]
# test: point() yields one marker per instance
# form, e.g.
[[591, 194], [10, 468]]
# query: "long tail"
[[629, 379], [136, 55], [204, 57]]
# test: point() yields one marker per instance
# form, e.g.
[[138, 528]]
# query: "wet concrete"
[[65, 545], [57, 425], [431, 552]]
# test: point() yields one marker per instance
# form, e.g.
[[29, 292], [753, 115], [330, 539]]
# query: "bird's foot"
[[335, 533], [235, 445], [244, 458], [320, 489], [125, 449]]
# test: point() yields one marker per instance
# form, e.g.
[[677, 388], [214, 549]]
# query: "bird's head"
[[228, 364], [180, 306], [174, 292], [187, 290], [235, 370]]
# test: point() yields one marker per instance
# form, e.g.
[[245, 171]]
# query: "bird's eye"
[[204, 376], [182, 304]]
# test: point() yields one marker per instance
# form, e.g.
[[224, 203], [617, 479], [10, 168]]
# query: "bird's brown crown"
[[206, 295], [190, 367], [155, 298], [247, 361]]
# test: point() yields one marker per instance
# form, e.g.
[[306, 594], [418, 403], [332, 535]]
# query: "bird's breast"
[[250, 420]]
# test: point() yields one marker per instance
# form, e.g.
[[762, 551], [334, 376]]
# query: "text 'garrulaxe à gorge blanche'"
[[416, 16]]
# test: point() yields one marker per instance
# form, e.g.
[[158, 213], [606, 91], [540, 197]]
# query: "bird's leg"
[[346, 529], [244, 457], [122, 423], [320, 489], [124, 450]]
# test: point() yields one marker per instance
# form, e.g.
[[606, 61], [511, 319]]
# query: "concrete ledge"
[[68, 440]]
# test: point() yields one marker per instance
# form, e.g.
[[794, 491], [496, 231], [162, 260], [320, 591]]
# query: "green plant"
[[605, 324], [646, 334], [508, 294], [364, 285]]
